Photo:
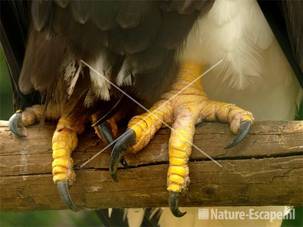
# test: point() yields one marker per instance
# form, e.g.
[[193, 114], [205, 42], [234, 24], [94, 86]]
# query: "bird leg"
[[185, 105], [64, 142]]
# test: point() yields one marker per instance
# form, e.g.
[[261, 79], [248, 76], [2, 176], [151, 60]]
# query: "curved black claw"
[[243, 131], [15, 124], [127, 139], [63, 189], [173, 202], [105, 132]]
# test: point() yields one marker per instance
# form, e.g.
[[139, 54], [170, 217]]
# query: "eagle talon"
[[173, 202], [243, 131], [15, 124], [120, 148], [105, 132], [63, 189]]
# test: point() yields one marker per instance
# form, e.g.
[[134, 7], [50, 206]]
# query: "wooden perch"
[[266, 169]]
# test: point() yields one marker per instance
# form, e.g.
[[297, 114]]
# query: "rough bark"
[[265, 169]]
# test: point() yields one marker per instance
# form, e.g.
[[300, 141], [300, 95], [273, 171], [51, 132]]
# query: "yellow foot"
[[181, 109], [30, 116], [19, 120], [64, 141]]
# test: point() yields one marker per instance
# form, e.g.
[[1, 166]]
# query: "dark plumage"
[[137, 40], [285, 19], [294, 22], [14, 20]]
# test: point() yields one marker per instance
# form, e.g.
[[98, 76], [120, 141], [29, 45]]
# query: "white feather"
[[100, 87], [90, 99], [74, 80], [255, 74], [124, 78], [71, 73], [229, 31]]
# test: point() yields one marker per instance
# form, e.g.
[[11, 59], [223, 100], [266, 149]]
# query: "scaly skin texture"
[[32, 115], [64, 141], [35, 113], [183, 110]]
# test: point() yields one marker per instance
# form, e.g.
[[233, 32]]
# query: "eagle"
[[154, 63]]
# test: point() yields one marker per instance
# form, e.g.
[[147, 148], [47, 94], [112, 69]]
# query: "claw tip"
[[63, 189], [174, 204], [15, 125], [120, 148], [243, 131]]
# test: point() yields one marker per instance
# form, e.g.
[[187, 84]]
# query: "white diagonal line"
[[98, 153], [147, 110]]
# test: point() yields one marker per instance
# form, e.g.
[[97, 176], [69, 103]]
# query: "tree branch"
[[265, 169]]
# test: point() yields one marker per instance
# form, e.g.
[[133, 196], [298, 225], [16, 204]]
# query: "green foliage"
[[49, 219], [6, 106], [298, 222], [299, 115]]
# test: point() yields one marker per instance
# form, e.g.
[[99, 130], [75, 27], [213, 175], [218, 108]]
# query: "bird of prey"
[[76, 58]]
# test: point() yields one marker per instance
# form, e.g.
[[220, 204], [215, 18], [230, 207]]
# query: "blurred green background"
[[66, 218], [6, 106]]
